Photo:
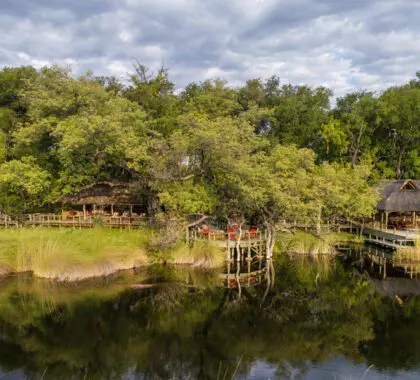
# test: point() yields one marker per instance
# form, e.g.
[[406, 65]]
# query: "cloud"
[[345, 45]]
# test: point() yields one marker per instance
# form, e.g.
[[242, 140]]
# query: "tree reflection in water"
[[190, 326]]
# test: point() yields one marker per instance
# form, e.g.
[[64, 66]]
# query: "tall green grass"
[[308, 244], [409, 257], [305, 243], [201, 254], [72, 254]]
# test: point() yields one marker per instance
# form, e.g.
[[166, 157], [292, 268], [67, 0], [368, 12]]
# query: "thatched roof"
[[399, 196], [105, 193]]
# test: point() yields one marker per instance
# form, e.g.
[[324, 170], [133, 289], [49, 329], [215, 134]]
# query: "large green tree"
[[400, 107]]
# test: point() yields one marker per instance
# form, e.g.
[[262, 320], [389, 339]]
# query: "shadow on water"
[[304, 317]]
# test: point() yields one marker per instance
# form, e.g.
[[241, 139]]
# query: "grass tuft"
[[71, 254]]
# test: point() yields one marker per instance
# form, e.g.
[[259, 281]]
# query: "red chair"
[[232, 234], [253, 232]]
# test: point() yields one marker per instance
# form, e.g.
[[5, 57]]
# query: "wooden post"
[[386, 220], [249, 247], [131, 210], [84, 212], [384, 273], [228, 246], [112, 211], [414, 219]]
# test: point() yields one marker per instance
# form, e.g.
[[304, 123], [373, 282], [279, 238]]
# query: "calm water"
[[318, 319]]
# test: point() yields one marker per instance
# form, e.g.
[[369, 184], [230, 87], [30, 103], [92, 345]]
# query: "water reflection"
[[382, 263], [164, 323]]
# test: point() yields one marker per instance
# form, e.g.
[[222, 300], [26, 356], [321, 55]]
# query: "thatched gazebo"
[[400, 203], [106, 195]]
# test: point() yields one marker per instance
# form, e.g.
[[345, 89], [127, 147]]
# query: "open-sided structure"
[[399, 206], [107, 197]]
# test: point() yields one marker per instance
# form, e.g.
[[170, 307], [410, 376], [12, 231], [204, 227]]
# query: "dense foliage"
[[265, 151]]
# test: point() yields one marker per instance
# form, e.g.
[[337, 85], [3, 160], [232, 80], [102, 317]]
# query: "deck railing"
[[88, 221], [7, 221], [224, 236]]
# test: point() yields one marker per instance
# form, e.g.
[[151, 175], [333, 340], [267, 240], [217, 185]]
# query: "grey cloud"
[[341, 44]]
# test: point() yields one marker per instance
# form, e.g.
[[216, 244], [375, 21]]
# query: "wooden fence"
[[56, 220]]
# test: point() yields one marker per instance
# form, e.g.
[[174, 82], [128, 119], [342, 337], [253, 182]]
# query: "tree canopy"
[[266, 151]]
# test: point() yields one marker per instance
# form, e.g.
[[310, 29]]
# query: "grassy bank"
[[409, 256], [306, 243], [70, 255]]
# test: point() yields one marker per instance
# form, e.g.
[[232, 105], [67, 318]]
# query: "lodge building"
[[399, 206]]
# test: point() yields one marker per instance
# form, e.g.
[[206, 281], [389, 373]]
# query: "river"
[[316, 318]]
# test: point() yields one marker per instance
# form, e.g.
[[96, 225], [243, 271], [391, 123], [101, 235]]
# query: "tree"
[[274, 186], [299, 112], [400, 108], [23, 185], [202, 152], [154, 93], [79, 131], [344, 191], [357, 114], [212, 98]]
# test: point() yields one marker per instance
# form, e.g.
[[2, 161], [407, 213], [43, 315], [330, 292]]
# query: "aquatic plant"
[[409, 258], [200, 254], [305, 243], [72, 254]]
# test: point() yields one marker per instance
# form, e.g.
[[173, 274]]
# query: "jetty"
[[250, 243], [391, 238]]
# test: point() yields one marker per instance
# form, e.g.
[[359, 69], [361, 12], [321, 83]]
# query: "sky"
[[345, 45]]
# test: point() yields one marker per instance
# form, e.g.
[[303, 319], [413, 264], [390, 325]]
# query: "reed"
[[306, 244], [409, 258], [201, 254], [72, 254]]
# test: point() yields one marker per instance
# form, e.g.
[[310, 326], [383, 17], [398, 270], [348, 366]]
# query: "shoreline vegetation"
[[75, 255], [264, 154]]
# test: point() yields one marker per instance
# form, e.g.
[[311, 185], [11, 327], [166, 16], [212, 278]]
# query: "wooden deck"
[[251, 244], [55, 220], [393, 239], [225, 239]]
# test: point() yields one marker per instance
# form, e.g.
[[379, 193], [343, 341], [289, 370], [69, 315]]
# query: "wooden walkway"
[[393, 239], [251, 244], [54, 220]]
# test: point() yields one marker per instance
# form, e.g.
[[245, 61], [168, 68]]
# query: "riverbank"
[[73, 255]]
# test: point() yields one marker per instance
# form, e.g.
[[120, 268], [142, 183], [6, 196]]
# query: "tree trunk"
[[357, 148], [271, 241], [238, 261], [151, 205], [399, 160], [354, 158], [318, 222]]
